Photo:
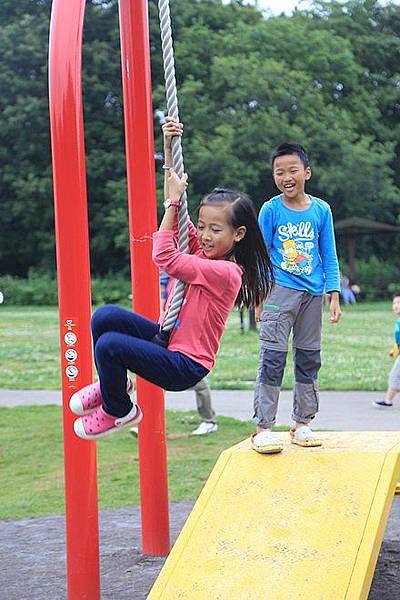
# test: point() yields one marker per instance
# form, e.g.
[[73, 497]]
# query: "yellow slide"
[[306, 524]]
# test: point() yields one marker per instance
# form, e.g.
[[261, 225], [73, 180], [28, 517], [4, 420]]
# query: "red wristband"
[[172, 202]]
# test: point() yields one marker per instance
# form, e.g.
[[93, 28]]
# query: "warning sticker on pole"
[[70, 350]]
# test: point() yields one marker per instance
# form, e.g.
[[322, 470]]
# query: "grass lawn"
[[355, 352], [355, 356], [31, 460]]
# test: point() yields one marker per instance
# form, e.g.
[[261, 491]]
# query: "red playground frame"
[[73, 271]]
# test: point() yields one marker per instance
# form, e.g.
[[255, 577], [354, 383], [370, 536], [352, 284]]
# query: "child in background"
[[394, 375], [346, 291], [204, 408], [227, 264], [298, 232]]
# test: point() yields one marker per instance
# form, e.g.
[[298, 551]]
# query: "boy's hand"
[[171, 128], [334, 307], [176, 185]]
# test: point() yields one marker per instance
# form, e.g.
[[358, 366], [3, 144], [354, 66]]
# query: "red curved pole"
[[138, 116], [73, 273]]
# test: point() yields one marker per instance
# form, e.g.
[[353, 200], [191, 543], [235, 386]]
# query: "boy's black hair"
[[250, 252], [290, 148], [396, 295]]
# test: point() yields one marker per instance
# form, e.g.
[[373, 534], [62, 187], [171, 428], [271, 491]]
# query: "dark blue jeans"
[[121, 341]]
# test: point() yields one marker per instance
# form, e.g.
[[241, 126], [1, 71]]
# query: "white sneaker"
[[134, 431], [266, 442], [205, 428], [304, 436]]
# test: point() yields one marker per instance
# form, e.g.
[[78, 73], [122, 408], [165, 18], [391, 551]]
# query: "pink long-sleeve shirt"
[[211, 290]]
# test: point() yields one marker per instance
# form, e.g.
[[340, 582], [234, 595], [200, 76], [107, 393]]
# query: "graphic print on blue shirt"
[[297, 247]]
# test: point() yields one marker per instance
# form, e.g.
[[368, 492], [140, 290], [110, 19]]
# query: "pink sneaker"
[[89, 397], [86, 399], [99, 423]]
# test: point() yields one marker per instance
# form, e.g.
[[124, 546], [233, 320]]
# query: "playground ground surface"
[[32, 555], [32, 551]]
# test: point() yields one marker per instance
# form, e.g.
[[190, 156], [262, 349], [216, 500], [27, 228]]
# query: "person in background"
[[346, 291], [204, 408], [394, 375]]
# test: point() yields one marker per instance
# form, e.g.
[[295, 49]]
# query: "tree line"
[[327, 77]]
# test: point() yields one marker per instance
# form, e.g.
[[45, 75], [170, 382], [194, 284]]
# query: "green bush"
[[377, 278], [115, 290], [33, 291], [41, 290]]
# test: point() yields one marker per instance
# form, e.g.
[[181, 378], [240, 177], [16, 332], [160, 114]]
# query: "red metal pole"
[[138, 115], [73, 272]]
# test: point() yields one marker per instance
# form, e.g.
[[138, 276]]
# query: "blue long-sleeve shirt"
[[301, 245], [397, 332]]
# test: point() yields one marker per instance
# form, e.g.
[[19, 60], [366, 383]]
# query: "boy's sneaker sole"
[[307, 443]]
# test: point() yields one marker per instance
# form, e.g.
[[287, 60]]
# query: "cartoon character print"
[[297, 246]]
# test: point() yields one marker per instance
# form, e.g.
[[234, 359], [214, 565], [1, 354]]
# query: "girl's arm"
[[213, 275], [171, 129], [210, 274], [189, 268], [175, 187]]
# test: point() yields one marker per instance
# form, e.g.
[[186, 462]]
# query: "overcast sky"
[[279, 6], [275, 6]]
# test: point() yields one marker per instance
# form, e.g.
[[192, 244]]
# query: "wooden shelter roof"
[[360, 226]]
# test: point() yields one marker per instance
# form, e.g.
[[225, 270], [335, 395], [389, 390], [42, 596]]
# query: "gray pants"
[[203, 401], [287, 309], [394, 375]]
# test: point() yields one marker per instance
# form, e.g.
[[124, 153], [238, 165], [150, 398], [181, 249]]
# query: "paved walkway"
[[343, 411]]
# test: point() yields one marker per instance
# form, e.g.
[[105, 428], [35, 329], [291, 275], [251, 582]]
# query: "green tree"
[[327, 77], [26, 223]]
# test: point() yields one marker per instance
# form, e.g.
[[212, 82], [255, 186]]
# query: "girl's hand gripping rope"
[[171, 128], [176, 185]]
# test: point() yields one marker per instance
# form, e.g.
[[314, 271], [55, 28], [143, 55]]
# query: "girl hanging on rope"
[[227, 264]]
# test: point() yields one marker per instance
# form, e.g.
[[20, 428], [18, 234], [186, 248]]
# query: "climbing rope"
[[177, 160]]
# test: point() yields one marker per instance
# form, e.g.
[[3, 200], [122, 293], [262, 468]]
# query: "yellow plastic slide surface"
[[304, 524]]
